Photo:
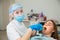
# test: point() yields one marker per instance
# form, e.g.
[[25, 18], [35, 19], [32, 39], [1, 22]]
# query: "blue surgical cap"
[[14, 7]]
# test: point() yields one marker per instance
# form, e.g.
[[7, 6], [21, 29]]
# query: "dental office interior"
[[34, 9]]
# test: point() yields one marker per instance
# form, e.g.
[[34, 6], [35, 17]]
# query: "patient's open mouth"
[[42, 30], [45, 28]]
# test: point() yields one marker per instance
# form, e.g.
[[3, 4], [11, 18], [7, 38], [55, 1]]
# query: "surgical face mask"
[[19, 18]]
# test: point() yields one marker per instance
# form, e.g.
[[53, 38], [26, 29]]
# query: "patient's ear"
[[53, 30]]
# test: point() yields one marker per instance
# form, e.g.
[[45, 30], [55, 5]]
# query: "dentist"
[[16, 29]]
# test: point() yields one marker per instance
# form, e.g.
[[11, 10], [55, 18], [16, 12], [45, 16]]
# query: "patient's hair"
[[54, 34]]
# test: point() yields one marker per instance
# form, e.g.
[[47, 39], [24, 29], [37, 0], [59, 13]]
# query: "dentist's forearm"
[[27, 35]]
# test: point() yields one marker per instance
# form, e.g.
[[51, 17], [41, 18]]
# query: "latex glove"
[[37, 27]]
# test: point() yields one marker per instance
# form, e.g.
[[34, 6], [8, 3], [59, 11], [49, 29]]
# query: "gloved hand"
[[37, 27]]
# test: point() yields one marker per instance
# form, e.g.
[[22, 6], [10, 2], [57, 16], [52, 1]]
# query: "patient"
[[49, 32], [50, 29]]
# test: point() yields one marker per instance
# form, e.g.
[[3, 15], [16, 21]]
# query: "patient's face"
[[48, 28]]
